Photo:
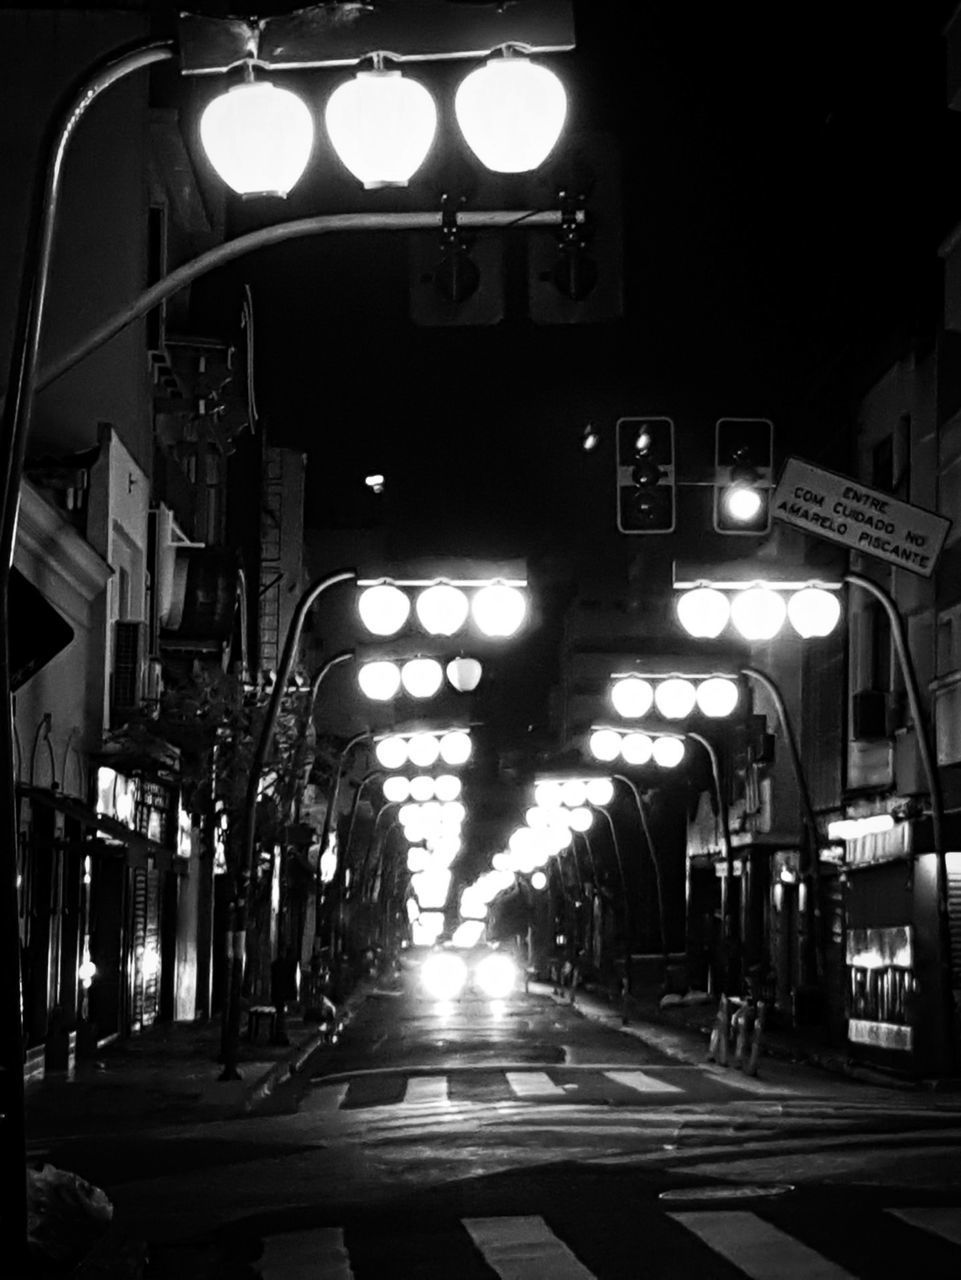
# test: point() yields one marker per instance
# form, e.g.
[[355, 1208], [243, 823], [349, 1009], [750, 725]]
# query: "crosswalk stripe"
[[524, 1248], [306, 1255], [760, 1250], [945, 1223], [642, 1082], [528, 1084], [425, 1089]]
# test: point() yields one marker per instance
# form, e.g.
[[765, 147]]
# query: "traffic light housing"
[[743, 475], [645, 475], [575, 273]]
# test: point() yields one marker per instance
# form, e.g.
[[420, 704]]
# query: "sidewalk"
[[685, 1029], [166, 1075]]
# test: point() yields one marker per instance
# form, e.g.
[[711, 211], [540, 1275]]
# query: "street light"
[[497, 607], [258, 138], [637, 748], [758, 609], [381, 125], [383, 609], [442, 609], [675, 696], [511, 112]]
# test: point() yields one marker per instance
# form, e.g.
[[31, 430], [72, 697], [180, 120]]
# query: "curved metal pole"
[[371, 843], [655, 862], [336, 660], [354, 806], [38, 252], [730, 931], [594, 879], [810, 821], [335, 791], [333, 803], [14, 429], [315, 684], [628, 913], [590, 854], [245, 875], [264, 237], [933, 778]]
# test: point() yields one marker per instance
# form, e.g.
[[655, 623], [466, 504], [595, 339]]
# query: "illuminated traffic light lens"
[[743, 504]]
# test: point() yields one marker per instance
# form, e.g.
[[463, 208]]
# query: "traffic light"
[[575, 273], [743, 467], [645, 475]]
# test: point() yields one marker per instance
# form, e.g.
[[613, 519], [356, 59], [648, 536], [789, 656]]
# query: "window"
[[949, 477], [882, 465], [879, 637]]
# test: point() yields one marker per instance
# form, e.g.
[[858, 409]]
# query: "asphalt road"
[[529, 1141]]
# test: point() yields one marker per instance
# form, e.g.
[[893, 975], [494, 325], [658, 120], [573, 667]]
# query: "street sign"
[[845, 511]]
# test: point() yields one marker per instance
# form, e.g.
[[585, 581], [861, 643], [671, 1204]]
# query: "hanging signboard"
[[845, 511]]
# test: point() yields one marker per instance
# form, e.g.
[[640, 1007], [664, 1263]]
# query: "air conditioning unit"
[[129, 657]]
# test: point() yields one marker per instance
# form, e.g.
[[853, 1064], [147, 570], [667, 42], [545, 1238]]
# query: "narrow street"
[[524, 1138], [480, 634]]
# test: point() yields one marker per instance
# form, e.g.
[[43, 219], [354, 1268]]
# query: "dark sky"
[[787, 173]]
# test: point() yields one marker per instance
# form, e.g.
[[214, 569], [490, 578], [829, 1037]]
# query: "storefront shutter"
[[954, 914]]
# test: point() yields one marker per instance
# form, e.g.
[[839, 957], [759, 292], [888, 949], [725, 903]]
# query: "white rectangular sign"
[[845, 511]]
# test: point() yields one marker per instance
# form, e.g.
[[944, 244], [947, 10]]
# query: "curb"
[[282, 1071]]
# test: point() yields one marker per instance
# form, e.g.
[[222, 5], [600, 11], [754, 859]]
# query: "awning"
[[37, 631], [140, 847]]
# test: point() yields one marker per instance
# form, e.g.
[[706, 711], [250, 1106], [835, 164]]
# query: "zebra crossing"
[[715, 1243], [583, 1086]]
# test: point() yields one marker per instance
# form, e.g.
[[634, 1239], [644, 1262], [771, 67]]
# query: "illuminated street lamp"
[[396, 788], [379, 681], [497, 607], [499, 610], [676, 697], [758, 609], [636, 748], [422, 677], [383, 609], [511, 112], [442, 609], [381, 124], [258, 137]]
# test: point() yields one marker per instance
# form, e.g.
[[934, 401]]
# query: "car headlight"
[[496, 976], [444, 975]]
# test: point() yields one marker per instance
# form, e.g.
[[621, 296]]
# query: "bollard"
[[756, 1035], [717, 1049], [740, 1023]]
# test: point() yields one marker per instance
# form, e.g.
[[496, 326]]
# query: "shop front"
[[895, 999]]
